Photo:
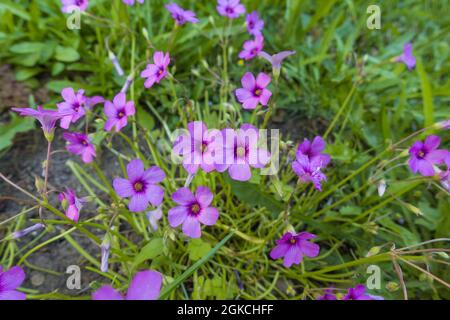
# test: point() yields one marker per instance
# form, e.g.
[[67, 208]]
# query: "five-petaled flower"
[[118, 112], [254, 23], [407, 56], [293, 247], [180, 15], [146, 285], [71, 204], [157, 70], [252, 48], [80, 144], [193, 210], [254, 91], [73, 106], [9, 282], [425, 154], [141, 186], [230, 8]]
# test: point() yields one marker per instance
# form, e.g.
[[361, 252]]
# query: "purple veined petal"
[[12, 279], [138, 202], [317, 145], [279, 251], [123, 187], [251, 103], [309, 249], [437, 156], [265, 97], [208, 216], [150, 82], [263, 80], [248, 81], [240, 172], [266, 56], [431, 143], [149, 71], [416, 147], [191, 168], [129, 108], [279, 57], [243, 94], [293, 256], [65, 122], [121, 123], [306, 236], [110, 123], [183, 196], [75, 148], [88, 155], [154, 194], [197, 129], [204, 196], [146, 285], [413, 164], [12, 295], [120, 100], [177, 215], [154, 175], [158, 58], [425, 168], [135, 169], [191, 227], [72, 213], [107, 293], [68, 94]]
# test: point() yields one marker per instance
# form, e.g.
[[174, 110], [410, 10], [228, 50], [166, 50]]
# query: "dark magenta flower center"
[[421, 154], [160, 71], [194, 210], [84, 142], [240, 151], [120, 114], [257, 92], [229, 10], [139, 186], [293, 241]]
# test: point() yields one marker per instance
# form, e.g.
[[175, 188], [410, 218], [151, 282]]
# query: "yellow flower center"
[[138, 186]]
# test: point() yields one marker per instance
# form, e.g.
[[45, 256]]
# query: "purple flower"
[[328, 295], [254, 91], [105, 248], [118, 112], [407, 57], [312, 150], [141, 186], [309, 171], [24, 232], [71, 204], [230, 8], [146, 285], [252, 48], [180, 15], [157, 71], [73, 106], [193, 211], [425, 154], [80, 144], [198, 146], [93, 101], [276, 59], [70, 5], [9, 281], [293, 247], [47, 118], [359, 293], [254, 24], [131, 2], [242, 152]]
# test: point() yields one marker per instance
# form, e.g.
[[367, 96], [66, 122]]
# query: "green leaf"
[[26, 73], [427, 96], [145, 119], [27, 47], [16, 9], [150, 251], [66, 54], [198, 248], [175, 283], [16, 125]]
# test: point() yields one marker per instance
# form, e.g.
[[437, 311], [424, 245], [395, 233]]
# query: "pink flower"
[[193, 211], [71, 204], [70, 5], [146, 285], [47, 118], [312, 150], [198, 147], [141, 186], [293, 247], [309, 171], [230, 8], [80, 144], [254, 92], [73, 106], [254, 24], [180, 15], [252, 48], [118, 112], [158, 70], [425, 154], [9, 282], [276, 59], [24, 232], [242, 152], [359, 293], [131, 2], [328, 295], [407, 57]]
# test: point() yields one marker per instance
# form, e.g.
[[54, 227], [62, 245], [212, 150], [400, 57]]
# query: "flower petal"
[[208, 216], [248, 81], [106, 293], [123, 187], [135, 169], [146, 285], [183, 196], [138, 202], [177, 216], [12, 279], [204, 196], [191, 227], [240, 172], [154, 194], [154, 175]]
